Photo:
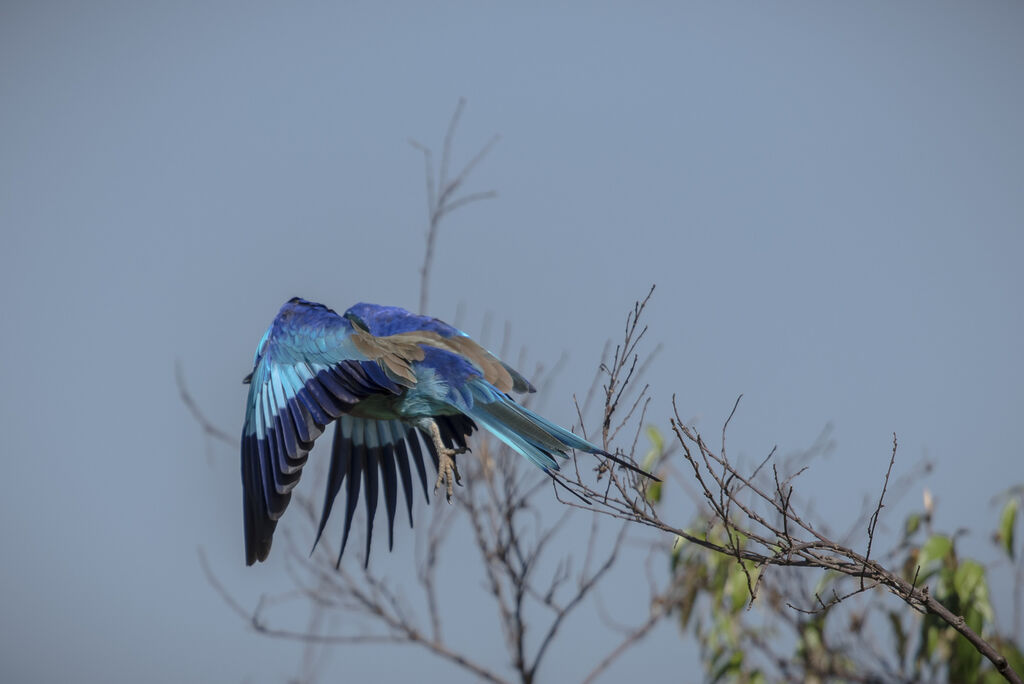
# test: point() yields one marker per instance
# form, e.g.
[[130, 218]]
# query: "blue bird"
[[387, 379]]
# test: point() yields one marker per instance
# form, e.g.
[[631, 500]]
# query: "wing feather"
[[402, 456], [355, 467], [328, 403], [374, 456], [305, 375], [371, 439], [389, 476], [299, 403], [336, 473], [413, 440]]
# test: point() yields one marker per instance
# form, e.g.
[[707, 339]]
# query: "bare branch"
[[881, 498], [441, 197], [208, 427]]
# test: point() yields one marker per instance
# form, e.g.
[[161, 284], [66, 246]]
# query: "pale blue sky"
[[830, 198]]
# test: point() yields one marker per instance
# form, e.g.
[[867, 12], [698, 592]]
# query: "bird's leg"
[[447, 471]]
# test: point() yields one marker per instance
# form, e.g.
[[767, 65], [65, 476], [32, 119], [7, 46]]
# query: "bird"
[[399, 388]]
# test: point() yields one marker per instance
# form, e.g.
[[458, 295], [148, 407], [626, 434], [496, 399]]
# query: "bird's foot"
[[447, 471]]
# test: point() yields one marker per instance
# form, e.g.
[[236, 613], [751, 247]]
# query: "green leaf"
[[935, 550], [967, 580], [720, 567], [912, 524], [972, 590], [737, 589], [657, 446], [733, 665], [686, 602], [1007, 524], [677, 548], [810, 639], [654, 492]]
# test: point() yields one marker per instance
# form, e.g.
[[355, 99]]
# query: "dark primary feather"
[[365, 452], [389, 478]]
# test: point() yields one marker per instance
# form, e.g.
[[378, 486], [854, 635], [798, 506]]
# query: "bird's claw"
[[447, 471]]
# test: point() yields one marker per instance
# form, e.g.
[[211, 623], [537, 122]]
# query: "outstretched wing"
[[307, 373]]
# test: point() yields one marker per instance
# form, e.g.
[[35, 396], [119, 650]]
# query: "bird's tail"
[[529, 434]]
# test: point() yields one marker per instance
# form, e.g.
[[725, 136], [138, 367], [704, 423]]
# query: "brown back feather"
[[395, 354]]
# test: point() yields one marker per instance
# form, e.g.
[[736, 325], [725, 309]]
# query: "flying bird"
[[398, 387]]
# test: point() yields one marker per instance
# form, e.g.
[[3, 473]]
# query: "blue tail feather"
[[521, 429], [529, 434], [539, 456]]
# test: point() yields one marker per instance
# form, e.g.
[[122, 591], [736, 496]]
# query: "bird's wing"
[[307, 373], [369, 451]]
